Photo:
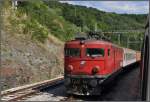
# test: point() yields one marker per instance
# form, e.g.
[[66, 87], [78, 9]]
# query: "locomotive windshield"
[[72, 52], [95, 52]]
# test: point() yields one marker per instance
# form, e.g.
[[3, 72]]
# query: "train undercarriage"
[[84, 86]]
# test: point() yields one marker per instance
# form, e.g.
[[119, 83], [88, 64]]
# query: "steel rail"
[[26, 90]]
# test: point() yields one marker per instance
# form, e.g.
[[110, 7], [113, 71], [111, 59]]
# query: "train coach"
[[129, 57], [88, 63]]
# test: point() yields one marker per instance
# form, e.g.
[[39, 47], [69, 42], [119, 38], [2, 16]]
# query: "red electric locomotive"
[[88, 62]]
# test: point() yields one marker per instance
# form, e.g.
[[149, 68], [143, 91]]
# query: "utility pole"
[[95, 27], [128, 42], [119, 39], [75, 12], [80, 29]]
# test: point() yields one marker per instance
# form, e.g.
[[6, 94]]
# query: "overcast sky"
[[128, 7]]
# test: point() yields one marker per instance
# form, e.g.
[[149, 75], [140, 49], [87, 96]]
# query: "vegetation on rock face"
[[43, 20]]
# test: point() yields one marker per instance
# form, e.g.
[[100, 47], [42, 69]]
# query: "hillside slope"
[[65, 20], [25, 60], [88, 17]]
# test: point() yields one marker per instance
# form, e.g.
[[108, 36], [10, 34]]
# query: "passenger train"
[[89, 62]]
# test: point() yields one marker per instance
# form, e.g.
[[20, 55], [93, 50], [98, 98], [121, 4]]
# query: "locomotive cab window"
[[95, 52], [72, 52]]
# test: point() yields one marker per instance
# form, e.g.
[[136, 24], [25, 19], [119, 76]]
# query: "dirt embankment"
[[25, 61]]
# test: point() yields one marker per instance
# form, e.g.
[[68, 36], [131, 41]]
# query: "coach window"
[[108, 52]]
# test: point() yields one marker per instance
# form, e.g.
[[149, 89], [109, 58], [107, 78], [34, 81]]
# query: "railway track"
[[123, 88], [18, 93]]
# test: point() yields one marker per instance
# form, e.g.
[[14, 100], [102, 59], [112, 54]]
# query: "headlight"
[[95, 69], [93, 83], [69, 68]]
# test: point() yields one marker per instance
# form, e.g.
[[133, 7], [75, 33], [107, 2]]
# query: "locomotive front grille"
[[79, 81]]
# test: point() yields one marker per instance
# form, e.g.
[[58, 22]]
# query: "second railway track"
[[18, 93]]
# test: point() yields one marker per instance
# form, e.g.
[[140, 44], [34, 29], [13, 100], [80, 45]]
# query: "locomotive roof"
[[91, 42]]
